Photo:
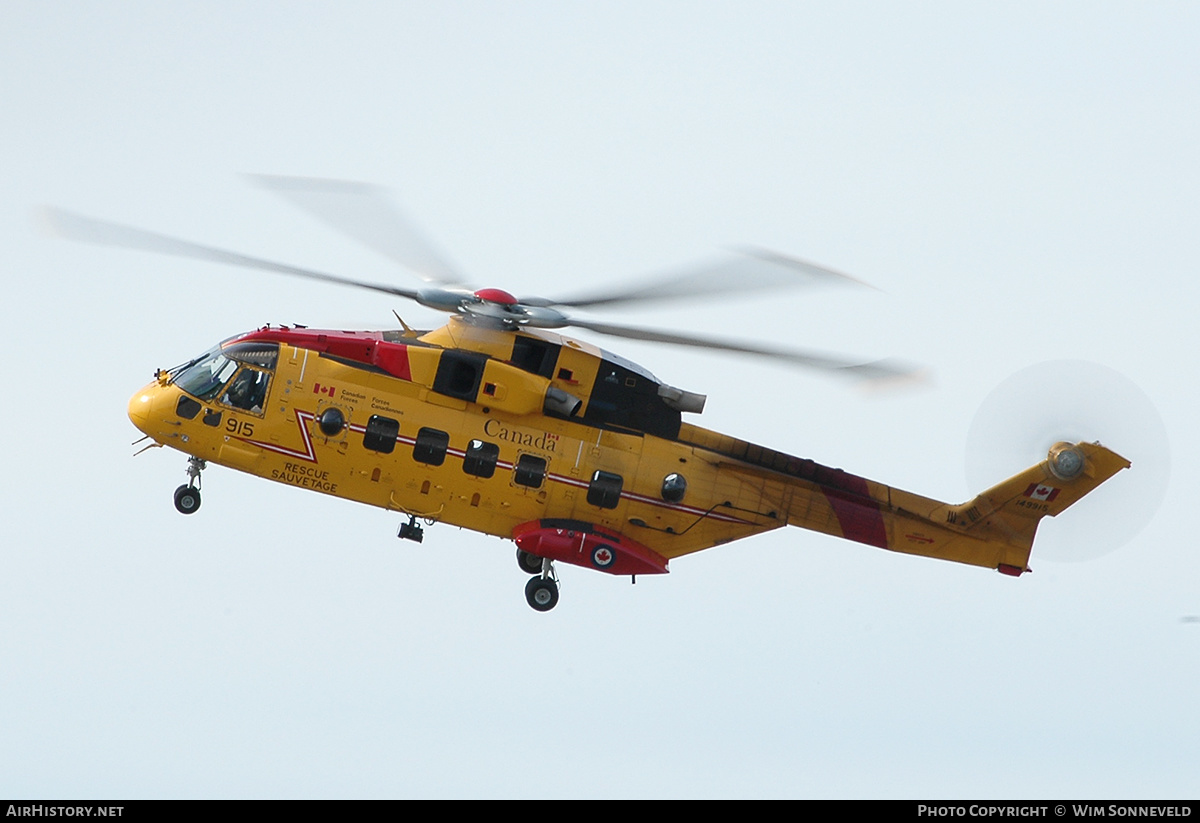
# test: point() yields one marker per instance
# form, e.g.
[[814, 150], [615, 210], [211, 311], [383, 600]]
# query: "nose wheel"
[[187, 496], [187, 499]]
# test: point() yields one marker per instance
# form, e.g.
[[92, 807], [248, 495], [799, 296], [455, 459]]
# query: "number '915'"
[[242, 428]]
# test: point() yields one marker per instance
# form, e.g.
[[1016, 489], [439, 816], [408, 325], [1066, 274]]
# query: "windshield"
[[205, 378]]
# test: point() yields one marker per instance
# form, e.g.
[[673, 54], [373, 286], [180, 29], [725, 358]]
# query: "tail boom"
[[994, 530]]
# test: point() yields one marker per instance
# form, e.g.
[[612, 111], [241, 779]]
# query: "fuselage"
[[576, 454]]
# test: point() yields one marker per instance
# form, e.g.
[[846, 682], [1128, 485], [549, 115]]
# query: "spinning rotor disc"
[[366, 214]]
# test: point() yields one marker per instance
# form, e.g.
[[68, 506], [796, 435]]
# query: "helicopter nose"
[[139, 409]]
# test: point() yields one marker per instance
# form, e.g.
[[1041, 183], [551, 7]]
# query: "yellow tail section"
[[994, 530], [1005, 517]]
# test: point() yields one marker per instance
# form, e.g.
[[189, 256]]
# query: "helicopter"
[[497, 423]]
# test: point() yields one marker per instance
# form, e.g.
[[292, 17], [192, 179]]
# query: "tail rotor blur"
[[1073, 401]]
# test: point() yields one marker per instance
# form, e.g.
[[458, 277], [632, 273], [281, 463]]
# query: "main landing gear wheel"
[[187, 499], [529, 563], [542, 593]]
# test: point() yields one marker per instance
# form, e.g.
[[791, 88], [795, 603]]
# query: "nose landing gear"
[[187, 496]]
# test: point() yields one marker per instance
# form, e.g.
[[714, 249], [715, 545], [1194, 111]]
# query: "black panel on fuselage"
[[535, 356], [624, 398], [459, 373]]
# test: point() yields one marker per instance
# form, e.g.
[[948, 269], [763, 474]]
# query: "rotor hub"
[[499, 296], [1066, 461]]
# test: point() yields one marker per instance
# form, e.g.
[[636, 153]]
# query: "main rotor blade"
[[876, 370], [90, 230], [748, 269], [365, 213]]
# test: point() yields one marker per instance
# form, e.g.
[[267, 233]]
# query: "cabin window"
[[530, 471], [431, 446], [673, 487], [605, 490], [331, 421], [381, 434], [480, 459]]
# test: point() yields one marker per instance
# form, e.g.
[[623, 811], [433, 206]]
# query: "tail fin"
[[1009, 512]]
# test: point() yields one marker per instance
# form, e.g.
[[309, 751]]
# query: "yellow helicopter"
[[498, 424]]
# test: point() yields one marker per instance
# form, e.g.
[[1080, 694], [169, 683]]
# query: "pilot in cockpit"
[[248, 391]]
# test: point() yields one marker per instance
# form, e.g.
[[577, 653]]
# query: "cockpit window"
[[205, 378], [248, 391], [208, 374]]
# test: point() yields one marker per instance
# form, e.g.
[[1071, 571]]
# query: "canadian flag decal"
[[1040, 491], [319, 389]]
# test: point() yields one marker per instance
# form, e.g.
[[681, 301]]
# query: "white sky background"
[[1021, 183]]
